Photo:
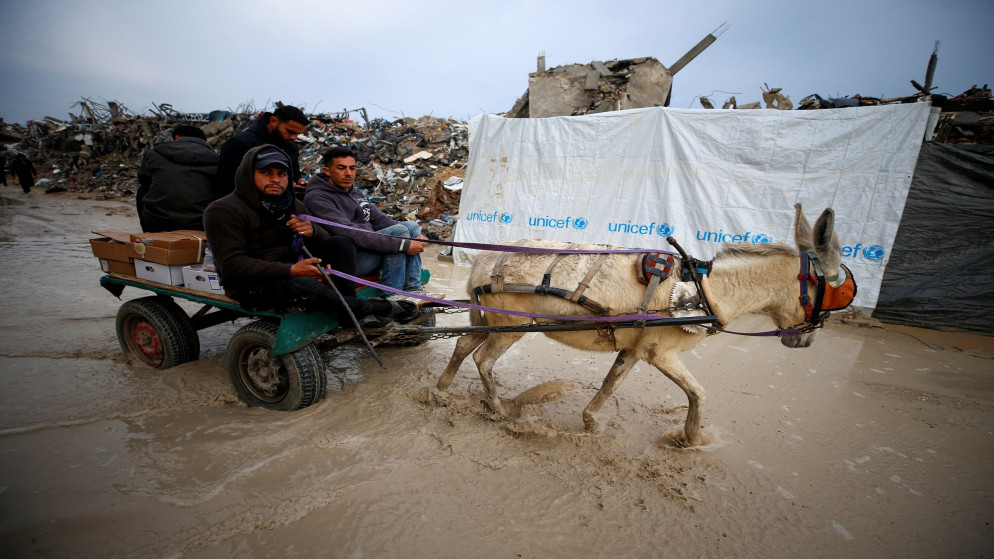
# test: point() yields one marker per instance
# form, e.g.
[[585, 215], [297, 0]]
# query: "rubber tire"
[[300, 377], [157, 332]]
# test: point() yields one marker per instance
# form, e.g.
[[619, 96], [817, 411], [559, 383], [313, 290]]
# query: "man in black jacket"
[[279, 128], [176, 182], [254, 234]]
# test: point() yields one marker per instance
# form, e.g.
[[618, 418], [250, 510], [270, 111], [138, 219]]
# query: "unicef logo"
[[762, 238], [664, 230], [506, 218], [580, 223], [874, 253]]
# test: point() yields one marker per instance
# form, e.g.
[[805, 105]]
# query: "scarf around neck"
[[279, 207]]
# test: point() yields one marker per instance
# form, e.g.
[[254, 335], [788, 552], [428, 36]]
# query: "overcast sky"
[[458, 58]]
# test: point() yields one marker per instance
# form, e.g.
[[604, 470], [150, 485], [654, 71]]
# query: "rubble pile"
[[413, 168]]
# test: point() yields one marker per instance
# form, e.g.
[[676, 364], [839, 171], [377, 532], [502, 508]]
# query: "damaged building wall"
[[578, 89]]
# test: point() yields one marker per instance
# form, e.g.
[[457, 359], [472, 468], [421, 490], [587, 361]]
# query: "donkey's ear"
[[802, 231], [827, 244]]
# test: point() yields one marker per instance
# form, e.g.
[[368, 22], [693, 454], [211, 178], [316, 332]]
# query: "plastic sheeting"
[[632, 178], [941, 269]]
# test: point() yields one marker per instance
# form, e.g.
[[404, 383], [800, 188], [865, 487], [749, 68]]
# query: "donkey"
[[745, 278]]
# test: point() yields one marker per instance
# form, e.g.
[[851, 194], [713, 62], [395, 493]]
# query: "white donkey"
[[745, 278]]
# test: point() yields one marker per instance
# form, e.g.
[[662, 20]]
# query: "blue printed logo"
[[490, 217], [556, 223], [874, 253], [720, 236], [664, 229]]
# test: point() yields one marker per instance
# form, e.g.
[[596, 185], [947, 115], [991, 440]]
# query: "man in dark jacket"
[[332, 195], [279, 128], [176, 182], [25, 172], [254, 234]]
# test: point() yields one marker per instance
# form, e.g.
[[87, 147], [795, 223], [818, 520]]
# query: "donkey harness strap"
[[498, 284]]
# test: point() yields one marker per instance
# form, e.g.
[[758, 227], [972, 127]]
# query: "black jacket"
[[177, 180], [249, 247], [257, 135]]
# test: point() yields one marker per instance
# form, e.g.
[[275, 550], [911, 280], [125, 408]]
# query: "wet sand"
[[877, 441]]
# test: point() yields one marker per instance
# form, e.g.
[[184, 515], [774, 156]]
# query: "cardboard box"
[[161, 273], [115, 267], [172, 248], [194, 277], [114, 251]]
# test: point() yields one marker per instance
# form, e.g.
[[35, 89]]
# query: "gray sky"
[[457, 58]]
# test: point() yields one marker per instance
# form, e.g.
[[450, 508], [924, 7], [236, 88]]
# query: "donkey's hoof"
[[434, 397], [591, 425]]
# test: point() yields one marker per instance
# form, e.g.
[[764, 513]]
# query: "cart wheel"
[[157, 331], [278, 382]]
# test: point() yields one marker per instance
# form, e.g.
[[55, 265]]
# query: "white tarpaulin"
[[632, 178]]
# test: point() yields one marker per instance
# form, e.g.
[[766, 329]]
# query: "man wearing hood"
[[279, 128], [176, 182], [382, 243], [254, 234]]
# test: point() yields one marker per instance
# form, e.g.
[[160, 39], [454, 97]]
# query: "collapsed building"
[[598, 87]]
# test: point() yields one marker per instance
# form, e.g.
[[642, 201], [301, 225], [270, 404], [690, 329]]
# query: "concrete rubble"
[[412, 167]]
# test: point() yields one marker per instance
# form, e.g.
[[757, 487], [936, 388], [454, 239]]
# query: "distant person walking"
[[3, 168], [25, 172]]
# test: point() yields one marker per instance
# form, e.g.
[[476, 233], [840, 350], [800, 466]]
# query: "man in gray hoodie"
[[383, 244]]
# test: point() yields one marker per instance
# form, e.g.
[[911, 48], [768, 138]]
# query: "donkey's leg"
[[622, 364], [464, 346], [495, 346], [669, 364]]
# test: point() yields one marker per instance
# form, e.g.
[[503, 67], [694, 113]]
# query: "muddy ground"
[[878, 441]]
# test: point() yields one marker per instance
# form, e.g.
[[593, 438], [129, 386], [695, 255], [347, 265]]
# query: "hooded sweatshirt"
[[351, 207], [249, 246], [177, 181]]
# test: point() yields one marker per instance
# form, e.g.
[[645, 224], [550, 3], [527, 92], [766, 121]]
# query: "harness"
[[830, 294], [497, 284], [651, 269]]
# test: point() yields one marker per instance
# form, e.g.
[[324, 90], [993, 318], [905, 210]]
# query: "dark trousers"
[[309, 293]]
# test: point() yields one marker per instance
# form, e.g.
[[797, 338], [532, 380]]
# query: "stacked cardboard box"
[[158, 257]]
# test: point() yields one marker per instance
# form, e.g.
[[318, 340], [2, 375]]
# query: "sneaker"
[[402, 309]]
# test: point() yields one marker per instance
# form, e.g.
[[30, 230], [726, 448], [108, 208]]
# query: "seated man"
[[331, 195], [177, 180], [254, 233]]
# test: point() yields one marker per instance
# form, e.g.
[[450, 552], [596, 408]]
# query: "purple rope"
[[501, 248], [493, 309]]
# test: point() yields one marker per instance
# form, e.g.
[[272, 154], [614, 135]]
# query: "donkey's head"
[[829, 284]]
